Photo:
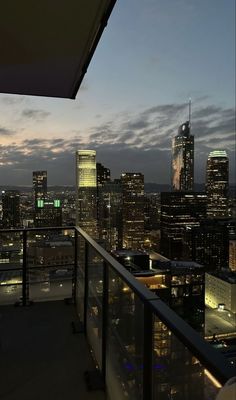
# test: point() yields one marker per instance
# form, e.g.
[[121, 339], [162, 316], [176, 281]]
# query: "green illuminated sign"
[[40, 203], [57, 203]]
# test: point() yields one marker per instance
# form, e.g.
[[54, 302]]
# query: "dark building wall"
[[179, 210], [208, 245], [10, 209]]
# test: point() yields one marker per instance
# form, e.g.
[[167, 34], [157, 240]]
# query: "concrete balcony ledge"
[[40, 357]]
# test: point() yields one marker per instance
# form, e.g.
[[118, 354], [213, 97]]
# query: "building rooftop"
[[226, 275]]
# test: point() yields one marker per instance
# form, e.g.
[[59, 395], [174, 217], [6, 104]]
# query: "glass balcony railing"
[[142, 348]]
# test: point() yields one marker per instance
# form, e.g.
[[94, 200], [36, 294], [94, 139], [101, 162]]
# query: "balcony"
[[68, 307]]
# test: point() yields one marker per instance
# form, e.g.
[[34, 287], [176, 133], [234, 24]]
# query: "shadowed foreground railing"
[[142, 348]]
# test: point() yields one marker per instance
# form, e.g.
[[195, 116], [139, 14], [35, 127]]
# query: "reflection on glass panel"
[[10, 294], [11, 259], [94, 310], [125, 341], [49, 283], [50, 263], [177, 374]]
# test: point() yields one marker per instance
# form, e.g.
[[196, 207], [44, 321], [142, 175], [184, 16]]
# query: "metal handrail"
[[203, 351]]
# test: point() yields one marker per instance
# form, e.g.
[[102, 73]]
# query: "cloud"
[[35, 114], [6, 132], [127, 142]]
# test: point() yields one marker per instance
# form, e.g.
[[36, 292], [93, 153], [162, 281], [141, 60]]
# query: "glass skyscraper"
[[183, 159], [217, 183]]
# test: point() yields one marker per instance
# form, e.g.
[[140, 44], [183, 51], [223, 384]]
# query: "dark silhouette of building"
[[132, 210], [183, 159], [179, 210], [103, 174], [217, 184], [39, 185], [208, 244], [10, 208]]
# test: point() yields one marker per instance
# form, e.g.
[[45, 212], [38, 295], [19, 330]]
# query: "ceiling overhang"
[[46, 46]]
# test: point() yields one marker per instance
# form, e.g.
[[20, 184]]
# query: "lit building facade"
[[48, 213], [232, 254], [132, 210], [217, 182], [178, 211], [183, 159], [86, 186], [220, 293], [39, 185], [10, 208]]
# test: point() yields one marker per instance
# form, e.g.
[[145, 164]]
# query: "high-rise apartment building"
[[133, 210], [39, 185], [183, 159], [10, 208], [179, 210], [86, 187], [217, 182]]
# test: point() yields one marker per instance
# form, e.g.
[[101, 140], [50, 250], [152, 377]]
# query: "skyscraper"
[[179, 210], [133, 210], [39, 185], [10, 208], [183, 159], [217, 182], [86, 186], [208, 244]]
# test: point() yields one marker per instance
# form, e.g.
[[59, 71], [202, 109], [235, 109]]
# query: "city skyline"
[[131, 110]]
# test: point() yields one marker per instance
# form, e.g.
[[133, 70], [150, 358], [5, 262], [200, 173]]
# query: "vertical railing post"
[[104, 318], [75, 270], [147, 353], [24, 272], [86, 262]]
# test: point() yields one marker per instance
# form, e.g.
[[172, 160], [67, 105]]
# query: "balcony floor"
[[40, 357]]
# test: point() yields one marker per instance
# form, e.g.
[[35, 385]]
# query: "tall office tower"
[[183, 159], [48, 213], [103, 174], [86, 186], [217, 182], [133, 210], [110, 214], [208, 244], [39, 185], [10, 208], [179, 210]]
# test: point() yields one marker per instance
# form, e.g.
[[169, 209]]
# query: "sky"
[[152, 57]]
